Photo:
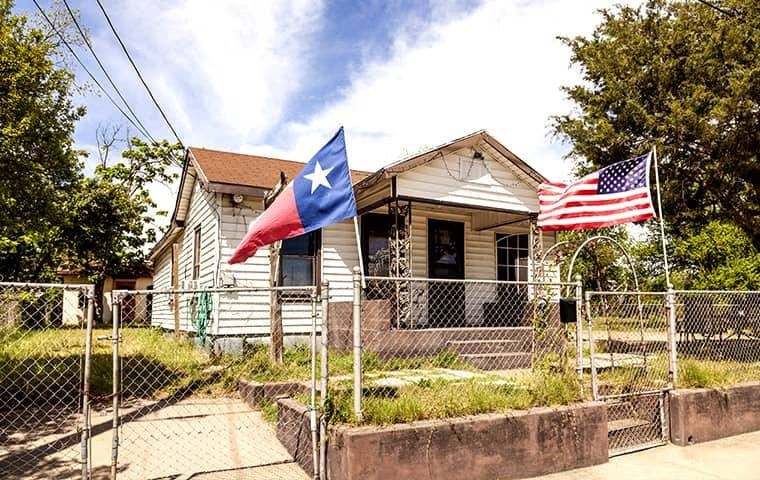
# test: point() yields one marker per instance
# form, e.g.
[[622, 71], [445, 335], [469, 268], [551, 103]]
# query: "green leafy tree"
[[113, 214], [685, 77], [718, 256], [39, 167]]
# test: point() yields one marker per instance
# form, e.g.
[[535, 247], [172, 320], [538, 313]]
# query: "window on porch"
[[512, 256]]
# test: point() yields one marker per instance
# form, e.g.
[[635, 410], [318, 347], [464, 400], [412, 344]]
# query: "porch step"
[[497, 361], [479, 347], [625, 424], [633, 423]]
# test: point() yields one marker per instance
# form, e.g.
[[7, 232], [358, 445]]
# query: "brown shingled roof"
[[249, 170]]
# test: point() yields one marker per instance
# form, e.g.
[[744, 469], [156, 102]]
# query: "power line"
[[717, 8], [137, 70], [76, 57], [105, 72]]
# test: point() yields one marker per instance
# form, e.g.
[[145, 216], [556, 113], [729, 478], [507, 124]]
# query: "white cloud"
[[499, 68], [218, 68]]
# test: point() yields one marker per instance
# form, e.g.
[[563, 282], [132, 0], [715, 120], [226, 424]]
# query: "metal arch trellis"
[[598, 238]]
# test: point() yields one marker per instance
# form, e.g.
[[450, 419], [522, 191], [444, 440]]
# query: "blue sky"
[[278, 77]]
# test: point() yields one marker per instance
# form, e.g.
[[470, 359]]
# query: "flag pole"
[[662, 220], [359, 249]]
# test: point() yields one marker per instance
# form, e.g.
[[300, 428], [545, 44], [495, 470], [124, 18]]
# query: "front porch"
[[500, 326]]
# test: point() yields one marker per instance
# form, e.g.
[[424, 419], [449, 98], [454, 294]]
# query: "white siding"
[[339, 257], [457, 178], [248, 313], [202, 212], [373, 194], [161, 314]]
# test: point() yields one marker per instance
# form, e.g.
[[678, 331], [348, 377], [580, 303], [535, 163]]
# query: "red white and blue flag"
[[618, 193], [322, 194]]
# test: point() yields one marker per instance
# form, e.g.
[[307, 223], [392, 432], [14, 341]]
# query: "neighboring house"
[[73, 305], [463, 210]]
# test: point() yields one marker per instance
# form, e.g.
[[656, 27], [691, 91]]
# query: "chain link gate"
[[630, 356], [196, 393], [44, 336]]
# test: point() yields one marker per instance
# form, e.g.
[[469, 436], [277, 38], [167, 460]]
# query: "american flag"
[[618, 193]]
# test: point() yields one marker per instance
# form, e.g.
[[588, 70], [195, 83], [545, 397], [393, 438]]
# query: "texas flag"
[[320, 195]]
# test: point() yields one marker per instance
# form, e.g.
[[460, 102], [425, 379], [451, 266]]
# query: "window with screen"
[[512, 256], [197, 253], [298, 260]]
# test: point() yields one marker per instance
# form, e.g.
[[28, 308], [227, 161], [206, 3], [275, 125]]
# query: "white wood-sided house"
[[463, 210]]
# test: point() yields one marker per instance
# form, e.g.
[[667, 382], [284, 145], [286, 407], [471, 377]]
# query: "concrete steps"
[[511, 350], [633, 423], [488, 346], [497, 361]]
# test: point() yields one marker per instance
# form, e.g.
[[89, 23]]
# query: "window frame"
[[514, 267], [197, 253], [315, 261]]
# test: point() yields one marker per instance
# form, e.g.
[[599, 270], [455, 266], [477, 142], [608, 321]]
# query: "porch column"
[[537, 250], [400, 248]]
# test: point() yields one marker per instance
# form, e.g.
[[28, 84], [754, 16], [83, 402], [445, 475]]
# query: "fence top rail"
[[63, 286], [306, 289], [743, 292], [471, 280], [624, 292]]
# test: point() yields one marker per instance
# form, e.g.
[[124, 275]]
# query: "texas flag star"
[[318, 177], [302, 207]]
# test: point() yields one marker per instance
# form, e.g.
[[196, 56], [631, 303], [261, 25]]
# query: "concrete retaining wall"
[[489, 447], [701, 415], [256, 393], [293, 431]]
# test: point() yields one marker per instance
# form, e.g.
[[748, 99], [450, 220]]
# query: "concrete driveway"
[[733, 458], [209, 439]]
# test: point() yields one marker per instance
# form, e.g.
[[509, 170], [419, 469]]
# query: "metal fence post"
[[592, 365], [325, 292], [357, 328], [86, 427], [579, 328], [116, 318], [313, 404], [670, 309]]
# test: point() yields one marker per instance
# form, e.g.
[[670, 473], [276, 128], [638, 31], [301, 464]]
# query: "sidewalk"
[[733, 458]]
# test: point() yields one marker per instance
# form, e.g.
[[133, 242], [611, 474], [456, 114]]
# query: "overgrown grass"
[[438, 399], [34, 363], [700, 373], [256, 364], [692, 373]]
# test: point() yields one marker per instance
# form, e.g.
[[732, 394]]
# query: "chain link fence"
[[43, 331], [426, 348], [718, 337], [192, 383], [628, 357], [198, 390]]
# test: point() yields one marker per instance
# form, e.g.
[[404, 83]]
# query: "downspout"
[[217, 270]]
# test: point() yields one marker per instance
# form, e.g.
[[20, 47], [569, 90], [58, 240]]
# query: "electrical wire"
[[717, 8], [105, 72], [76, 57], [137, 70]]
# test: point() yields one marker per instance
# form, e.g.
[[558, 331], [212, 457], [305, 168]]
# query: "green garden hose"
[[201, 308]]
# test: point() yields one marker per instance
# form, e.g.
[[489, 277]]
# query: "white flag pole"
[[662, 220], [359, 249]]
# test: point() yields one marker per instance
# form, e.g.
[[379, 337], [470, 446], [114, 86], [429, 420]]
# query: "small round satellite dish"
[[237, 198]]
